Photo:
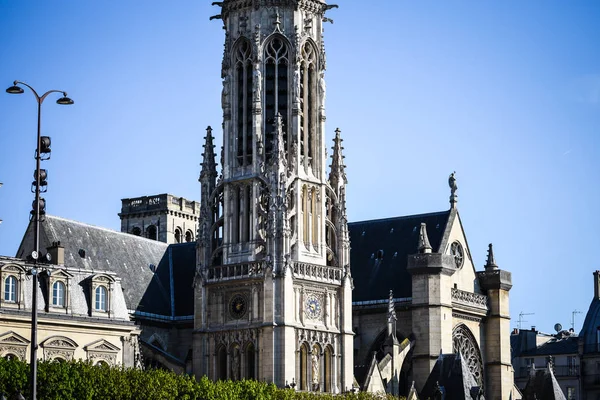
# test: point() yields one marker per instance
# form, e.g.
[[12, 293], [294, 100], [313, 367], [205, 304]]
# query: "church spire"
[[337, 174], [491, 261], [424, 246]]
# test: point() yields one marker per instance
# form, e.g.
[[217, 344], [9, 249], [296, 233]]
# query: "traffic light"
[[45, 147]]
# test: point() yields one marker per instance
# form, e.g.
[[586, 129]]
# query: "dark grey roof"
[[92, 248], [452, 375], [542, 385], [170, 292], [553, 347], [591, 325], [380, 249]]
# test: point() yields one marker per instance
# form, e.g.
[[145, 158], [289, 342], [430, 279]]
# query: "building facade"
[[273, 289]]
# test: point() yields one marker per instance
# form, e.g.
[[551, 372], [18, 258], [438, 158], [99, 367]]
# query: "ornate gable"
[[59, 347], [12, 343], [102, 351]]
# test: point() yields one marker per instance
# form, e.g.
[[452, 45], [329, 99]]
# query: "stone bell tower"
[[273, 291]]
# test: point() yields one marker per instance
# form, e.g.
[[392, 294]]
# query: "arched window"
[[58, 294], [246, 78], [136, 231], [10, 357], [189, 236], [250, 362], [177, 235], [307, 99], [151, 232], [101, 363], [100, 303], [303, 368], [464, 342], [276, 90], [327, 365], [222, 363], [10, 289]]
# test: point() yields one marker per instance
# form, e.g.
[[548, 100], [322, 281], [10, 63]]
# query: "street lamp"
[[42, 150]]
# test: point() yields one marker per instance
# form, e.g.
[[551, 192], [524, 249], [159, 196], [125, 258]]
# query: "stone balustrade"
[[469, 299]]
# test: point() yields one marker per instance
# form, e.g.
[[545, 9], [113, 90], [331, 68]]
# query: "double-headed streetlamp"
[[42, 152]]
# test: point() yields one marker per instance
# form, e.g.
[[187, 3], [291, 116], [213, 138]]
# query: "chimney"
[[57, 252], [597, 284]]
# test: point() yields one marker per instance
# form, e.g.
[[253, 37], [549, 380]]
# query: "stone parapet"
[[495, 279]]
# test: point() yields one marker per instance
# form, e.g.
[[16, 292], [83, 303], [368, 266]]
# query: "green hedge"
[[79, 380]]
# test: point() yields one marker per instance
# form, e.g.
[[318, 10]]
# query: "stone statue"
[[322, 88], [235, 365], [257, 82], [452, 183], [315, 368], [225, 93], [296, 83]]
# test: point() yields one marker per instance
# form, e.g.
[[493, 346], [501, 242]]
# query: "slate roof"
[[542, 385], [452, 374], [380, 249], [102, 249], [553, 347], [170, 292], [588, 333]]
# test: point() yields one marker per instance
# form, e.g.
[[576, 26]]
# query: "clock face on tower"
[[237, 306], [313, 307]]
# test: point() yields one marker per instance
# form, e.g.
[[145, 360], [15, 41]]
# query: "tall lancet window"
[[276, 90], [243, 102], [308, 101]]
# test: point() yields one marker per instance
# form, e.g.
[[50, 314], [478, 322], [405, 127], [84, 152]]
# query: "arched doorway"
[[250, 362], [222, 363]]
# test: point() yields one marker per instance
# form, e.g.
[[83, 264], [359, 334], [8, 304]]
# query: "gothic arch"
[[464, 342], [244, 91], [276, 88]]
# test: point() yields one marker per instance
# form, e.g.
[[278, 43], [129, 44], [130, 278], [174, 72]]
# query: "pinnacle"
[[209, 166], [491, 261], [424, 246]]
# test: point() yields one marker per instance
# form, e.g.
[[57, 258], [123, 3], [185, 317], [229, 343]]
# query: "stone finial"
[[424, 246], [453, 188], [391, 307], [491, 261]]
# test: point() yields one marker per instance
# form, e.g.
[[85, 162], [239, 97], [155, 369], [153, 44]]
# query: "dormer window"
[[100, 303], [10, 289], [58, 294], [100, 290]]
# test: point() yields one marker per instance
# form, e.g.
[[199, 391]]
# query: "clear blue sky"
[[505, 93]]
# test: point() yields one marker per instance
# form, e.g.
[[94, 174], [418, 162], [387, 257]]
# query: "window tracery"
[[276, 90], [307, 99], [244, 87], [464, 342]]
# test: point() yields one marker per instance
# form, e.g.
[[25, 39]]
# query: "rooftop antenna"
[[521, 320], [573, 318]]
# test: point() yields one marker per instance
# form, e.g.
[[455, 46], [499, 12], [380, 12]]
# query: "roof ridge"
[[100, 228], [401, 217]]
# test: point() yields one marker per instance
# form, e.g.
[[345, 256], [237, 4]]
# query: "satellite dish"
[[557, 327]]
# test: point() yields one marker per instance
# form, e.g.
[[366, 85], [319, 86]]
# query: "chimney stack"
[[597, 284], [57, 252]]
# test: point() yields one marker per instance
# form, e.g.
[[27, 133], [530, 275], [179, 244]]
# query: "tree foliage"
[[80, 380]]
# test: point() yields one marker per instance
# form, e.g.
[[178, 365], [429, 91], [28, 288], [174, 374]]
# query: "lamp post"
[[43, 147]]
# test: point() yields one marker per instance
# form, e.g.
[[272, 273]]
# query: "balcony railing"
[[235, 271]]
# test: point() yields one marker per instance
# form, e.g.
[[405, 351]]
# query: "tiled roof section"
[[380, 249], [542, 385], [89, 247], [170, 292]]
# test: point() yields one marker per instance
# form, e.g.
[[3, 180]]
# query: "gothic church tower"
[[273, 291]]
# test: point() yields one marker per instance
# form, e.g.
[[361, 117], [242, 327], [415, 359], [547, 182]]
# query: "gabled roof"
[[380, 249], [92, 248]]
